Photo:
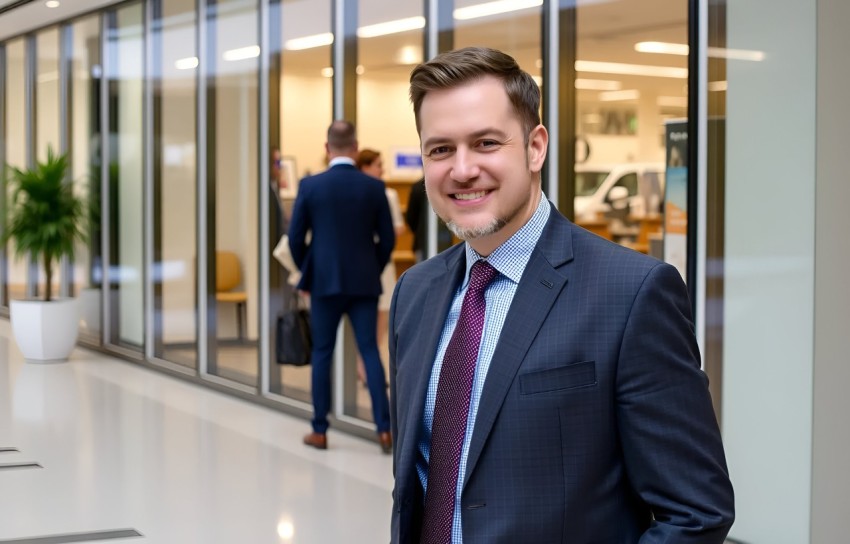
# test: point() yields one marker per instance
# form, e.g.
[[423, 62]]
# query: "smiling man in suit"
[[352, 238], [545, 383]]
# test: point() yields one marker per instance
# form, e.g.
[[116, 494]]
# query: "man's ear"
[[538, 143]]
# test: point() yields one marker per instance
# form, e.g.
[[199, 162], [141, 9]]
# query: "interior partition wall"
[[232, 169], [48, 114], [123, 179], [84, 116], [301, 80], [16, 139], [764, 258], [173, 160]]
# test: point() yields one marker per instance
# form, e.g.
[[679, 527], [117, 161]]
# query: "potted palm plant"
[[44, 221]]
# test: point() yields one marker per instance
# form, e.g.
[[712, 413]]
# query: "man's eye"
[[439, 150], [488, 143]]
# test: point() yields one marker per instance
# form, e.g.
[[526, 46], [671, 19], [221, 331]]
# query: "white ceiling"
[[36, 15]]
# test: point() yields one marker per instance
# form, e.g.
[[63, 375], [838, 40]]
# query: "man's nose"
[[465, 167]]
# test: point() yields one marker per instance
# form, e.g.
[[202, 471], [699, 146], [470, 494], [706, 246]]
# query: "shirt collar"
[[511, 257], [341, 160]]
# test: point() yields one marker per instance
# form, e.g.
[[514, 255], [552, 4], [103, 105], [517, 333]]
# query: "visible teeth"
[[470, 196]]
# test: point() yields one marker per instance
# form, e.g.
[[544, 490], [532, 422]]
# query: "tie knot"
[[481, 274]]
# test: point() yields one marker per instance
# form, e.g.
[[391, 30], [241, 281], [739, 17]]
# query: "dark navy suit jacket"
[[352, 232], [595, 423]]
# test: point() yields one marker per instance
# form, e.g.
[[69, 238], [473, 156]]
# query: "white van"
[[643, 185]]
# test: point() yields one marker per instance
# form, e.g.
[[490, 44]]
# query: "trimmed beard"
[[494, 226], [472, 233]]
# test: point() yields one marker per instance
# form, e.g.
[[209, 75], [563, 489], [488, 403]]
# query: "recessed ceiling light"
[[52, 3]]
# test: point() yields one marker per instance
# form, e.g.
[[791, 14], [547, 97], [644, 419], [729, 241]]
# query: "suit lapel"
[[539, 288]]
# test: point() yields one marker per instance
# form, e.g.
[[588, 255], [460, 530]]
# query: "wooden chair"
[[228, 277]]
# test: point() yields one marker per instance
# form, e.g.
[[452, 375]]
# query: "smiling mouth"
[[469, 196]]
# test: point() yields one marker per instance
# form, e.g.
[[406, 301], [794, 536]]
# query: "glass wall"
[[85, 120], [125, 162], [233, 176], [301, 75], [15, 280], [630, 64], [47, 114], [631, 83], [390, 39], [175, 62], [47, 93]]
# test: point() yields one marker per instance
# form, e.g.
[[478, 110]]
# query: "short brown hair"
[[454, 68], [366, 157], [342, 136]]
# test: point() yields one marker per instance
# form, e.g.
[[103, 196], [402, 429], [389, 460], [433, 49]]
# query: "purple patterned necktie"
[[451, 409]]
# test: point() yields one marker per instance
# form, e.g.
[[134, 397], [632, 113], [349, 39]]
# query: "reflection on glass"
[[175, 184], [47, 92], [627, 87], [303, 55], [47, 110], [390, 39], [235, 66], [126, 166], [303, 51], [16, 153], [85, 168]]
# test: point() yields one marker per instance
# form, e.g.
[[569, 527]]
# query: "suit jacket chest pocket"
[[571, 376]]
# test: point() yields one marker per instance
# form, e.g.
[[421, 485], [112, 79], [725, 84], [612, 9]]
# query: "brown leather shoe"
[[386, 442], [316, 440]]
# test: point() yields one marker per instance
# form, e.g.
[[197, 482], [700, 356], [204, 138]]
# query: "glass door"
[[124, 174], [174, 82]]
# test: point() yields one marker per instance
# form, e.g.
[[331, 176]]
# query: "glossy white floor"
[[122, 447]]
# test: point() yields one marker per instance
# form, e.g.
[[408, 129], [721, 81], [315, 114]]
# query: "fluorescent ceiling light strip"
[[309, 42], [615, 96], [391, 27], [494, 8], [663, 48], [242, 53], [682, 49], [631, 69], [597, 84], [187, 63]]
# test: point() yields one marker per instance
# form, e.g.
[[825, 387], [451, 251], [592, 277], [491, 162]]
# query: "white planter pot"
[[45, 331]]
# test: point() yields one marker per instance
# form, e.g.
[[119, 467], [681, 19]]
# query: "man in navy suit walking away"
[[351, 233]]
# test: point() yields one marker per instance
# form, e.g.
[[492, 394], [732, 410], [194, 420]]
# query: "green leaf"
[[45, 218]]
